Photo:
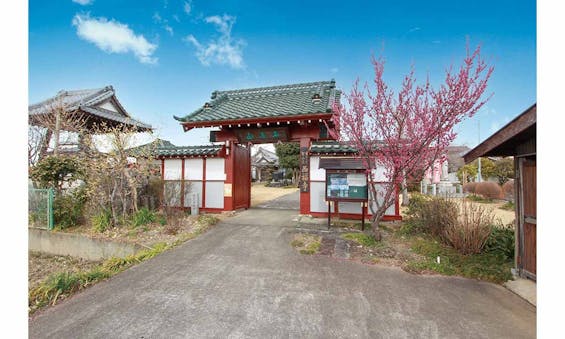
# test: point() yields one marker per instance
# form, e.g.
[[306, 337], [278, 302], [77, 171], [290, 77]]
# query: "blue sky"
[[164, 58]]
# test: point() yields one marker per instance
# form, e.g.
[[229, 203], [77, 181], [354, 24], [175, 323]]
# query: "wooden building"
[[518, 139]]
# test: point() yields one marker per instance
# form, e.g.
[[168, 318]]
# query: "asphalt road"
[[243, 280], [289, 201]]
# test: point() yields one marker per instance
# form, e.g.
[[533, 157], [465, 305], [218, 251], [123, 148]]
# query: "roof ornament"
[[207, 106], [316, 98]]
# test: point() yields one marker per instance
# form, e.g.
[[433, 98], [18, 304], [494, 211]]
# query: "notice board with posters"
[[346, 186]]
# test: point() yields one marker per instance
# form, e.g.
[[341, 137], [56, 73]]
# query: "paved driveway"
[[242, 280], [289, 201]]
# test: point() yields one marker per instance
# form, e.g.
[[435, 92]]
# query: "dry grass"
[[470, 232], [306, 243]]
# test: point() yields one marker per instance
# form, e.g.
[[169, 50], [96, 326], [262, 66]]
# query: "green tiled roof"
[[324, 147], [266, 102], [207, 150]]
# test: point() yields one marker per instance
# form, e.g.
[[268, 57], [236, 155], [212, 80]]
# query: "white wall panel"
[[381, 189], [379, 174], [173, 169], [350, 207], [193, 169], [215, 171], [215, 194], [315, 172], [195, 186], [317, 197]]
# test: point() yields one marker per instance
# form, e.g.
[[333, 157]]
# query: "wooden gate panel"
[[242, 177]]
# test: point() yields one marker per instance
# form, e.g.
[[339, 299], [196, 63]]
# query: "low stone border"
[[76, 245]]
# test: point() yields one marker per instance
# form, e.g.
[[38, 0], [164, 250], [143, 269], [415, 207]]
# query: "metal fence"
[[40, 208]]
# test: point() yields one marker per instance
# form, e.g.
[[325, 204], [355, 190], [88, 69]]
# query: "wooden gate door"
[[242, 177], [528, 215]]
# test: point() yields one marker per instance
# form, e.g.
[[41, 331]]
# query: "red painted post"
[[182, 183], [305, 196], [204, 183], [229, 166]]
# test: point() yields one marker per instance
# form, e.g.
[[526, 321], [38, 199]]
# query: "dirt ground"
[[261, 194], [40, 265]]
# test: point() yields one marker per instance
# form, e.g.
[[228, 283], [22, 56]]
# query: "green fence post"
[[50, 208]]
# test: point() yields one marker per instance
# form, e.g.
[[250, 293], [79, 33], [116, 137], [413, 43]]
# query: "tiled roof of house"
[[207, 150], [88, 101], [266, 102], [152, 146], [329, 147], [262, 153]]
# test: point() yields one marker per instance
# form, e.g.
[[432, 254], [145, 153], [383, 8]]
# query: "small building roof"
[[189, 151], [92, 103], [503, 141], [265, 103], [270, 158], [331, 147]]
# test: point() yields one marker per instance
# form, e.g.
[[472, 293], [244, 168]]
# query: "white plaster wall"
[[193, 169], [173, 169], [318, 197], [315, 172], [349, 207], [215, 171], [194, 187], [215, 194], [380, 189], [109, 106]]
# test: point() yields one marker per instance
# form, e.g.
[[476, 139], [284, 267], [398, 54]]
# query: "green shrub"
[[143, 217], [68, 208], [501, 242], [101, 221], [362, 239]]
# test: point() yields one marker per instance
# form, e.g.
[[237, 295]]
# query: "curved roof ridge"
[[267, 89]]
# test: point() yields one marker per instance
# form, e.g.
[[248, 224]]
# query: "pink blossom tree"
[[406, 132]]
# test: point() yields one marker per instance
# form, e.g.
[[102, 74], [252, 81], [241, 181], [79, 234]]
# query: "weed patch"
[[362, 239], [509, 206], [306, 243], [483, 266]]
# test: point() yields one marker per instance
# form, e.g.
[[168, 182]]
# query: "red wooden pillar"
[[204, 183], [304, 176], [182, 184], [229, 167]]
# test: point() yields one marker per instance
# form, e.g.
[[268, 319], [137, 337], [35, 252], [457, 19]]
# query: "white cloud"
[[223, 50], [334, 70], [114, 37], [187, 6], [164, 23], [83, 2]]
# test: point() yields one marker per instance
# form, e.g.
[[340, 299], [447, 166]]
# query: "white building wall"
[[318, 185], [173, 169]]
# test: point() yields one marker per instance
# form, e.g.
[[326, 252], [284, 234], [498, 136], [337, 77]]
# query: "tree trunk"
[[405, 197]]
